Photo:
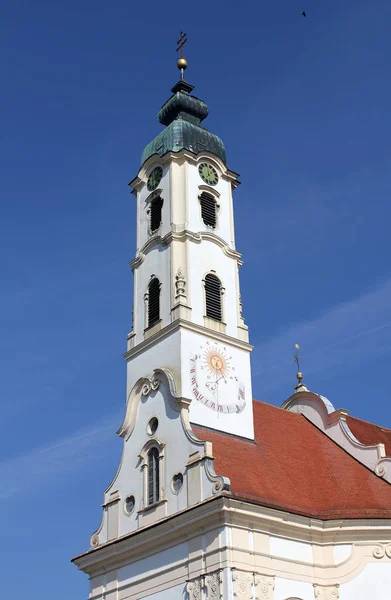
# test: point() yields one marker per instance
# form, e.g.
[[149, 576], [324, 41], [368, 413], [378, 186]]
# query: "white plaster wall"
[[165, 354], [236, 423], [175, 593], [224, 227], [152, 565], [342, 552], [289, 588], [298, 551], [374, 583]]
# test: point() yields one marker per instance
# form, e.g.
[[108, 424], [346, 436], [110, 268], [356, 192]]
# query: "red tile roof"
[[295, 467], [368, 433]]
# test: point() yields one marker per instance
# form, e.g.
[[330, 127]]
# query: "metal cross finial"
[[297, 361], [181, 42]]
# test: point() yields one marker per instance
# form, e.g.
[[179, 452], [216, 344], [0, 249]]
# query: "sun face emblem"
[[216, 362]]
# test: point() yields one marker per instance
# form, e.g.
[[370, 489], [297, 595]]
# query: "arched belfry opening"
[[213, 297]]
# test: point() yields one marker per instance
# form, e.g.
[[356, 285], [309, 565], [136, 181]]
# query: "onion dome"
[[182, 115]]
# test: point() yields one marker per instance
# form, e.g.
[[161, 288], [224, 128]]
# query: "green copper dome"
[[182, 114]]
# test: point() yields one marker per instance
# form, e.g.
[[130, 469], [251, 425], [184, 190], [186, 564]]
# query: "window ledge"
[[150, 507], [149, 331], [215, 325]]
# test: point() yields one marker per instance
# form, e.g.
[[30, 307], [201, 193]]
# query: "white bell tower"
[[187, 305]]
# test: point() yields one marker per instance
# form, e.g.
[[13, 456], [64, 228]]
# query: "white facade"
[[224, 549]]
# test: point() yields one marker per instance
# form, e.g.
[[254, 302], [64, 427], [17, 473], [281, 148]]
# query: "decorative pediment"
[[144, 387]]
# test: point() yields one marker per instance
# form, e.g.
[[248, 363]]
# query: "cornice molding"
[[190, 326], [182, 236], [221, 511], [320, 412], [180, 157], [153, 538]]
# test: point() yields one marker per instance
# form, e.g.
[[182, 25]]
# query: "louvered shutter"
[[153, 476], [208, 209], [213, 297], [156, 214], [153, 302]]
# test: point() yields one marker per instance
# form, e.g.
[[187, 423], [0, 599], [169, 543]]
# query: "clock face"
[[214, 379], [154, 178], [208, 174]]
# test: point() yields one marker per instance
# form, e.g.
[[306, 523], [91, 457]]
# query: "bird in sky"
[[303, 14]]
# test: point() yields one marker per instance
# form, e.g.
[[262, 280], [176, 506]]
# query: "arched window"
[[153, 301], [208, 209], [213, 292], [153, 476], [155, 214]]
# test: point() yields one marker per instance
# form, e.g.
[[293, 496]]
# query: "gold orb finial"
[[182, 64]]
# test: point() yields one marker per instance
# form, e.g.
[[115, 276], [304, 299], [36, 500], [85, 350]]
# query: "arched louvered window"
[[153, 476], [153, 301], [155, 214], [208, 209], [213, 297]]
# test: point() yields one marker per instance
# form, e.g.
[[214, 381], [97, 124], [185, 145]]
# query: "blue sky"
[[303, 108]]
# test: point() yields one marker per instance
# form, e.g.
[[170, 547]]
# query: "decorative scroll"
[[380, 551], [150, 385]]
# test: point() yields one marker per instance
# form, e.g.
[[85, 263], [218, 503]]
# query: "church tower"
[[218, 496], [187, 304]]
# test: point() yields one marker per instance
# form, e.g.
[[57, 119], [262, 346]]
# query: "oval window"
[[130, 503], [177, 482], [152, 426]]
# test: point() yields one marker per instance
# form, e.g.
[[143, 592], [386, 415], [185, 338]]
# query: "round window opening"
[[177, 482], [130, 503], [152, 426]]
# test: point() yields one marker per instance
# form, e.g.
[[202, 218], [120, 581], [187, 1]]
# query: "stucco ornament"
[[150, 385], [94, 541], [213, 585], [194, 589], [264, 587], [180, 284], [243, 585], [330, 592], [380, 551]]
